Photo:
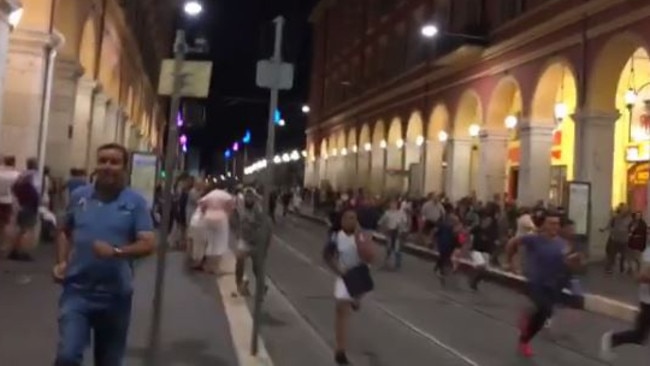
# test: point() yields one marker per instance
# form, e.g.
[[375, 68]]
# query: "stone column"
[[493, 151], [363, 169], [65, 88], [458, 168], [594, 151], [433, 167], [81, 123], [6, 8], [535, 162], [112, 122], [97, 126], [377, 170], [23, 93]]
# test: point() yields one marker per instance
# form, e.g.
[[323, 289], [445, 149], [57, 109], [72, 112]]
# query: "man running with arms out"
[[546, 265], [107, 225]]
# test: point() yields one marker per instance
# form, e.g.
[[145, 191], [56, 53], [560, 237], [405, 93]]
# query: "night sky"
[[240, 32]]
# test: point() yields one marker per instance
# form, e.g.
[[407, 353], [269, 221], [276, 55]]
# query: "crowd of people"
[[539, 242]]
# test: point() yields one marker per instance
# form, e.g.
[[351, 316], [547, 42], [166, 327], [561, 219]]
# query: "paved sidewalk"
[[195, 329]]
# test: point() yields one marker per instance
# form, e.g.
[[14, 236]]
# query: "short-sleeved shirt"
[[117, 223], [545, 263], [346, 246]]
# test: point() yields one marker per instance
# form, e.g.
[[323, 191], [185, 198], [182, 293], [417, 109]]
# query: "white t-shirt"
[[644, 289], [525, 225], [347, 248], [8, 177]]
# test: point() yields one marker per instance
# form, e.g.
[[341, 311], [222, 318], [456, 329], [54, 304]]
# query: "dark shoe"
[[341, 358]]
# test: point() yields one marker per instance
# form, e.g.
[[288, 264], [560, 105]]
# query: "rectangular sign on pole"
[[143, 174], [196, 77], [272, 75]]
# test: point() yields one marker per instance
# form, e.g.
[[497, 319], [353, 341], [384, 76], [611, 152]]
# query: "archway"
[[364, 157], [497, 171], [351, 159], [395, 158], [414, 140], [378, 158], [464, 159], [438, 130], [340, 162], [632, 133], [553, 105]]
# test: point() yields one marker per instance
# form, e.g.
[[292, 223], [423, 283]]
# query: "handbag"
[[358, 280]]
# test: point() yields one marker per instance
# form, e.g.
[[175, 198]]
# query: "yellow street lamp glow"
[[561, 111], [474, 130], [344, 152], [304, 153], [383, 144], [631, 97], [355, 148], [193, 8], [15, 17], [286, 158], [399, 143], [334, 152], [511, 122], [429, 30], [419, 140], [295, 155], [443, 136], [367, 146], [277, 159]]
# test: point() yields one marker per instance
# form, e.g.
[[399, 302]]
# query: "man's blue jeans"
[[106, 316]]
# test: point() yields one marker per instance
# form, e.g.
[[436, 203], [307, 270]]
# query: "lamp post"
[[171, 151], [431, 30]]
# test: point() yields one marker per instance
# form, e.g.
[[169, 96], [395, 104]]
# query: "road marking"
[[303, 257], [239, 318]]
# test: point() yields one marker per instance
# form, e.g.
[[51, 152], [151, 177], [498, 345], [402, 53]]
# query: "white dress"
[[214, 238]]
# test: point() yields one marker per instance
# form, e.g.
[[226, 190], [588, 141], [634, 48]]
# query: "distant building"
[[513, 96]]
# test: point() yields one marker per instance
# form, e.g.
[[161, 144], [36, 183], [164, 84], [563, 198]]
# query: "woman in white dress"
[[211, 229]]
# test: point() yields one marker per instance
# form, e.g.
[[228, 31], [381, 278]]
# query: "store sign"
[[638, 175]]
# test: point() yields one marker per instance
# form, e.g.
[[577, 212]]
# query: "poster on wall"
[[579, 207], [144, 168]]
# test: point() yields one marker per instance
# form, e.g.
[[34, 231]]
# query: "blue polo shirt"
[[117, 223]]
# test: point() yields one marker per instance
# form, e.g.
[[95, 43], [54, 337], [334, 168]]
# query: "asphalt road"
[[195, 331], [410, 319]]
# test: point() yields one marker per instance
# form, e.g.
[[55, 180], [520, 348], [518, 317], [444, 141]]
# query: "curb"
[[589, 302]]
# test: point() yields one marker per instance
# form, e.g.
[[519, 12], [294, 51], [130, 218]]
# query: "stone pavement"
[[195, 330]]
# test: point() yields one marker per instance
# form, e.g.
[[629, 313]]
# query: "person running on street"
[[546, 266], [394, 223], [347, 254], [107, 225], [639, 334]]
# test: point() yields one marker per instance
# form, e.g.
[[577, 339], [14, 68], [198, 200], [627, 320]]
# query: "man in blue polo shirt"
[[107, 225]]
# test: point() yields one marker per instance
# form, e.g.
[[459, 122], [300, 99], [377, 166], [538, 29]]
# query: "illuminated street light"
[[429, 30], [631, 97], [235, 147], [344, 152], [443, 136], [282, 122], [15, 17], [306, 109], [295, 155], [304, 153], [193, 8], [383, 144], [419, 141], [286, 158], [277, 159], [399, 143], [367, 146], [511, 122], [355, 149], [474, 130], [561, 111]]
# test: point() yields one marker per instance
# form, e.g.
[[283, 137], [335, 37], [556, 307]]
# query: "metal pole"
[[45, 111], [260, 283], [180, 48]]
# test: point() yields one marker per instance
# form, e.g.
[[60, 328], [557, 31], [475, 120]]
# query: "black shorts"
[[26, 218]]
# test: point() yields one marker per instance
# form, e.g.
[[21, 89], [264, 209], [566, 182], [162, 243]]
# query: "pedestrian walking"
[[107, 226], [394, 223], [211, 238]]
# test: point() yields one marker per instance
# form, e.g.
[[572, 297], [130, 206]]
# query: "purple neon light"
[[183, 139], [179, 120]]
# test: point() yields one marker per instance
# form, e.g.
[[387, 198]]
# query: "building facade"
[[106, 60], [512, 96]]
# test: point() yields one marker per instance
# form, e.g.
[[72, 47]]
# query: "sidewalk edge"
[[240, 320], [589, 302]]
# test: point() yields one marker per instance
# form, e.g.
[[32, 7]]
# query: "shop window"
[[558, 192]]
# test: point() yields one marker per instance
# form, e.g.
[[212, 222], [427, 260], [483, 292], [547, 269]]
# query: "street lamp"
[[399, 143], [419, 141], [443, 136], [282, 122], [561, 111], [429, 30], [474, 130], [511, 122], [15, 16], [631, 98], [367, 146], [383, 144], [193, 8], [306, 109], [295, 155]]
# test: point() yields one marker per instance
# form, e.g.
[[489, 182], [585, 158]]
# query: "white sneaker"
[[606, 347]]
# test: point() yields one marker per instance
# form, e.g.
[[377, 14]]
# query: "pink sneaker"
[[525, 350]]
